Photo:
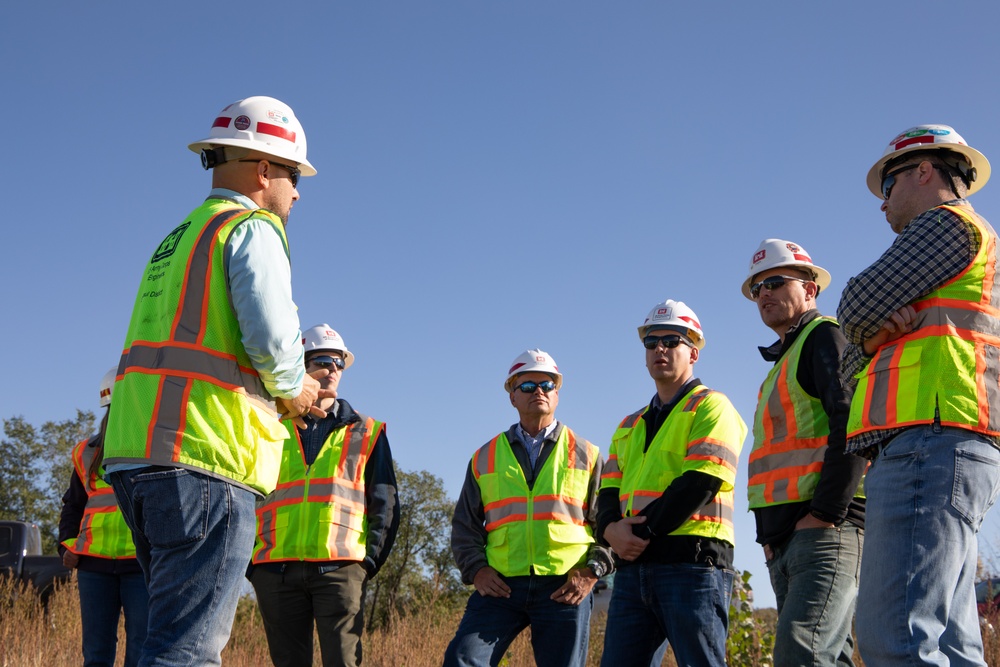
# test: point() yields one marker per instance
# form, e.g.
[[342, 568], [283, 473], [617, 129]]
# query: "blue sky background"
[[493, 176]]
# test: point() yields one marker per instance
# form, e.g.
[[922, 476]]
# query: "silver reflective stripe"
[[483, 457], [715, 508], [715, 451], [632, 419], [780, 460], [880, 386], [353, 446], [960, 318], [170, 411], [695, 399], [265, 534], [776, 412], [991, 379], [100, 500], [189, 318], [579, 455], [560, 507], [496, 513], [611, 467], [163, 358]]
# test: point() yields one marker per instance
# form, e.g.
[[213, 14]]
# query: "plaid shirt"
[[934, 248]]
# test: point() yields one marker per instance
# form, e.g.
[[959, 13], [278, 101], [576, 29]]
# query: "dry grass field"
[[30, 638]]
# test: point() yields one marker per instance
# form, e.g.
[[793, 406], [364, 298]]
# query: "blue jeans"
[[559, 632], [685, 604], [815, 580], [103, 597], [928, 492], [193, 536]]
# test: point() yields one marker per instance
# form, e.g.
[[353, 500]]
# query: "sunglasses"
[[669, 342], [889, 179], [530, 387], [293, 171], [772, 283], [326, 362]]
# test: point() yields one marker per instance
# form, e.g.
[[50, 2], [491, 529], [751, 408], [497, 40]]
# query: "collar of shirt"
[[533, 443], [241, 199], [773, 352]]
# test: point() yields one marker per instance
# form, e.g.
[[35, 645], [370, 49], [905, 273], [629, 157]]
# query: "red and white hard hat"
[[107, 384], [261, 124], [931, 137], [532, 361], [674, 315], [322, 337], [773, 253]]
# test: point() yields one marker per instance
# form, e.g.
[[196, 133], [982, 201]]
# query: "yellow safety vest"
[[103, 532], [703, 432], [790, 432], [541, 530], [318, 512], [950, 363], [187, 394]]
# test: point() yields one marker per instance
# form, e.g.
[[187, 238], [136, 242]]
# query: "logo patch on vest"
[[169, 244]]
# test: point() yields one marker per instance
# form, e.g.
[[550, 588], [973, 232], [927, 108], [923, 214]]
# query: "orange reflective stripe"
[[485, 458], [611, 470], [786, 447], [504, 511], [695, 399], [194, 362], [716, 451], [632, 419]]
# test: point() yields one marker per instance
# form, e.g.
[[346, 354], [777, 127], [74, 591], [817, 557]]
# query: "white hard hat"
[[107, 384], [532, 361], [931, 137], [261, 124], [773, 253], [674, 315], [322, 337]]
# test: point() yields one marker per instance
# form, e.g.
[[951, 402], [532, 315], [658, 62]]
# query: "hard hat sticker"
[[760, 255], [277, 117], [241, 123]]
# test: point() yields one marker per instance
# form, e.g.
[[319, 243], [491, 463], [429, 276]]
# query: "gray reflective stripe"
[[510, 508], [880, 386], [960, 318], [87, 457], [611, 467], [715, 508], [991, 379], [638, 503], [189, 317], [353, 444], [265, 533], [695, 399], [101, 500], [483, 456], [170, 413], [776, 411], [164, 358], [324, 490], [632, 419], [780, 460], [716, 451], [581, 455], [561, 507]]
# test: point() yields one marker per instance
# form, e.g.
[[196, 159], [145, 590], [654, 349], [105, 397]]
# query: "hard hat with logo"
[[774, 253], [107, 384], [261, 124], [677, 316], [322, 337], [971, 164], [532, 361]]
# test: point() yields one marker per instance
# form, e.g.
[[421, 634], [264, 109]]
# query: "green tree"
[[420, 572], [35, 470]]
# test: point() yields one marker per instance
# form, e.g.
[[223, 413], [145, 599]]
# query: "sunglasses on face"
[[772, 283], [889, 179], [293, 171], [669, 342], [530, 387], [327, 362]]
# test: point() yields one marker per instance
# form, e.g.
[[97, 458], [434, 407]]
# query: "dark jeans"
[[559, 632], [103, 598], [293, 600]]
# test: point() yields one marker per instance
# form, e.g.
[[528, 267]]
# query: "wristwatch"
[[597, 567]]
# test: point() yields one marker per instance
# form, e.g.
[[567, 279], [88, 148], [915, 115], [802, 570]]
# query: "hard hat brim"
[[198, 146], [975, 158]]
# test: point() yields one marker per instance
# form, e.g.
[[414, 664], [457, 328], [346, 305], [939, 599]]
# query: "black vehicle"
[[21, 559]]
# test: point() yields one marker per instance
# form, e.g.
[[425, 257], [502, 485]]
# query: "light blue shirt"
[[534, 443], [260, 290]]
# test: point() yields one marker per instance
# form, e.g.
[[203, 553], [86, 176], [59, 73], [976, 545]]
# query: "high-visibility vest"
[[703, 432], [103, 532], [543, 529], [318, 512], [790, 433], [950, 363], [187, 394]]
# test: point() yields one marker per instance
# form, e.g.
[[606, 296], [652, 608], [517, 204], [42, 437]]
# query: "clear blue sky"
[[493, 176]]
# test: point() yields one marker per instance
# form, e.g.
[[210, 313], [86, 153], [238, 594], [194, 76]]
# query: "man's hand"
[[489, 584], [294, 408], [623, 542], [899, 324], [70, 559], [809, 521], [579, 582]]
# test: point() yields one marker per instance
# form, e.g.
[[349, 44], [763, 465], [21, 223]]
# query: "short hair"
[[954, 167]]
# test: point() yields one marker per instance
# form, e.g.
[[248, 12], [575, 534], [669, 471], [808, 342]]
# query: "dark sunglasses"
[[294, 171], [327, 361], [530, 387], [669, 342], [772, 283], [889, 179]]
